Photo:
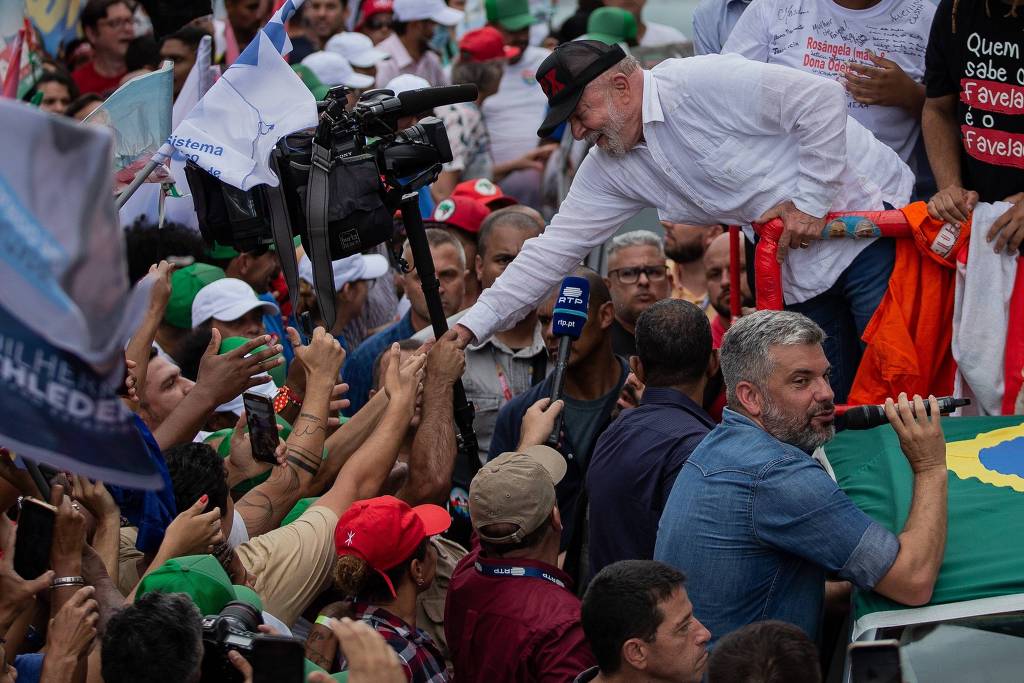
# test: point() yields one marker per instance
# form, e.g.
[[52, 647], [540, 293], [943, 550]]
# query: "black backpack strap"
[[317, 198], [281, 229]]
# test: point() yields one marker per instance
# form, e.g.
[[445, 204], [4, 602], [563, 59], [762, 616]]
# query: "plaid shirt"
[[421, 659]]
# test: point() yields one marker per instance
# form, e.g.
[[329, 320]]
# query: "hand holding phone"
[[259, 414]]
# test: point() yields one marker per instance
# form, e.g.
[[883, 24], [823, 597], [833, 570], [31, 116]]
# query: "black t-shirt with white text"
[[982, 63]]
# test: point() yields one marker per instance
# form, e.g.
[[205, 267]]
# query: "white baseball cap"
[[348, 269], [435, 10], [357, 48], [405, 82], [227, 299], [332, 69]]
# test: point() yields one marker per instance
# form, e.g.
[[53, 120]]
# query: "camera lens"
[[242, 616]]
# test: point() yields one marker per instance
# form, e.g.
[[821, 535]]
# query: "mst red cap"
[[461, 212], [385, 531], [371, 7], [486, 191], [485, 44]]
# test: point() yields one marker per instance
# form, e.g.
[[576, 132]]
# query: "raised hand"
[[225, 376], [72, 631], [403, 380], [15, 592], [322, 358], [539, 422], [193, 532], [445, 360]]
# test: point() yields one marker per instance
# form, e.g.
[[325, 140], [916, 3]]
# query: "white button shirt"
[[725, 139]]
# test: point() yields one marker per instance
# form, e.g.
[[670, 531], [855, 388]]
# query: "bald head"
[[716, 269]]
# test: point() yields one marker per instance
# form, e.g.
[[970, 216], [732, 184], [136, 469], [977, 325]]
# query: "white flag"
[[259, 99]]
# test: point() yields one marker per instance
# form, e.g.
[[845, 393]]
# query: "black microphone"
[[425, 99], [570, 315], [866, 417]]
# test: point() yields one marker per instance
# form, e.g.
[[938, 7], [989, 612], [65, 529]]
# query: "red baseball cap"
[[461, 212], [485, 44], [485, 191], [385, 531], [370, 7]]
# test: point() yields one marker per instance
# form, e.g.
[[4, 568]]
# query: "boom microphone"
[[567, 323], [410, 102], [866, 417]]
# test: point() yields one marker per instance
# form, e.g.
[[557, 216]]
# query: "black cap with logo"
[[566, 72]]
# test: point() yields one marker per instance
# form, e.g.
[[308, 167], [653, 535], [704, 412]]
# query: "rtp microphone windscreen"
[[571, 306]]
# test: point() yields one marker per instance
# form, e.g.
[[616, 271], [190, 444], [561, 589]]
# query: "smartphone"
[[277, 659], [259, 414], [876, 661], [33, 538]]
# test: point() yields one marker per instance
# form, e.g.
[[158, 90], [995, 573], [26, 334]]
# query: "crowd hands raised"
[[373, 543]]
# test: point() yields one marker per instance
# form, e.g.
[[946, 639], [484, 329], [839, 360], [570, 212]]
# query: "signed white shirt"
[[725, 139]]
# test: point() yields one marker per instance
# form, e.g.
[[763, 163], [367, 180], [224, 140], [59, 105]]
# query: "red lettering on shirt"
[[994, 146], [992, 96]]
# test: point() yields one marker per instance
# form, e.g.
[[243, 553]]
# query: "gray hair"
[[437, 237], [627, 66], [635, 238], [744, 355]]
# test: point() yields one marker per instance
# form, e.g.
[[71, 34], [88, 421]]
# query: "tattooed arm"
[[265, 506]]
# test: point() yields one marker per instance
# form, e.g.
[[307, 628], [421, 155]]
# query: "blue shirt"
[[632, 471], [713, 21], [358, 368], [274, 324], [756, 524]]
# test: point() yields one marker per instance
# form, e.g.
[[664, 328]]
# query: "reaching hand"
[[920, 434], [799, 228], [952, 204], [539, 422], [194, 532], [224, 376], [160, 293], [1009, 227], [535, 159], [461, 334], [370, 659], [445, 360], [242, 665], [68, 532], [403, 380], [338, 403], [240, 458], [885, 83], [324, 355], [72, 631], [95, 497], [15, 592]]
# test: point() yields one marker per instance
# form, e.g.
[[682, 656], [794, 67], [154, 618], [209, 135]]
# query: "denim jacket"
[[756, 524]]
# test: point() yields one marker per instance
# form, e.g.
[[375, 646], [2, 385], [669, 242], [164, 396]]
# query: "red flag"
[[12, 78]]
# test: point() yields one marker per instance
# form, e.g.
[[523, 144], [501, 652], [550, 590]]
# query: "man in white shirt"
[[516, 111], [716, 139], [409, 46], [649, 33]]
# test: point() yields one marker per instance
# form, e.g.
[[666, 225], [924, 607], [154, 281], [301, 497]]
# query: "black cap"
[[566, 72]]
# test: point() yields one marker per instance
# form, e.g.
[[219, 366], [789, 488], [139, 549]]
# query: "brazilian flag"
[[983, 569]]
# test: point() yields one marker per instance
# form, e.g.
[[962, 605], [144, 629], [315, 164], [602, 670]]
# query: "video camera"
[[340, 182], [273, 658]]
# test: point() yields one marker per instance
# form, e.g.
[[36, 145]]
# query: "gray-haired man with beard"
[[757, 523]]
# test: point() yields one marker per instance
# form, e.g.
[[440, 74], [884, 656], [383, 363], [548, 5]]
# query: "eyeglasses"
[[375, 24], [116, 23], [630, 276]]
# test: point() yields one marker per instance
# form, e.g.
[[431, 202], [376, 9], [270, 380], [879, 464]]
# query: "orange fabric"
[[908, 338]]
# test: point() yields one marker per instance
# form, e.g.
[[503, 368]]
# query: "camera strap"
[[281, 229], [316, 218]]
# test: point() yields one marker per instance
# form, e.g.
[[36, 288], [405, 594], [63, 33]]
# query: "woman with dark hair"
[[386, 559], [59, 91], [83, 106]]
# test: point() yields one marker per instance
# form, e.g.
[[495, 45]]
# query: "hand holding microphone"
[[570, 315], [919, 429], [866, 417]]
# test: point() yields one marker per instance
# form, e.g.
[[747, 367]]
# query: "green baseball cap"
[[185, 284], [201, 578], [511, 15], [226, 252], [278, 374], [611, 25], [315, 85]]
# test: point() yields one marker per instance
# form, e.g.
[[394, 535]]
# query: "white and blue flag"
[[259, 99]]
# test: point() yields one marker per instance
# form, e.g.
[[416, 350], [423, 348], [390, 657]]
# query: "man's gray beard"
[[796, 431], [614, 144]]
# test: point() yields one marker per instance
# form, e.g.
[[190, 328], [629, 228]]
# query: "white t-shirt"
[[513, 115], [661, 34], [822, 38]]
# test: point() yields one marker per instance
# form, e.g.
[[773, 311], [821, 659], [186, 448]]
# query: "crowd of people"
[[668, 518]]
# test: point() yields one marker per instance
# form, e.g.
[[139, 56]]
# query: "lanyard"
[[515, 571], [506, 390]]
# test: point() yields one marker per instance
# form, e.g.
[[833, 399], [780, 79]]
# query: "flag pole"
[[136, 183]]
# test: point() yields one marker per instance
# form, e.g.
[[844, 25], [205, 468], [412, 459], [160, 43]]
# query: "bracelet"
[[286, 395], [324, 620], [65, 581]]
